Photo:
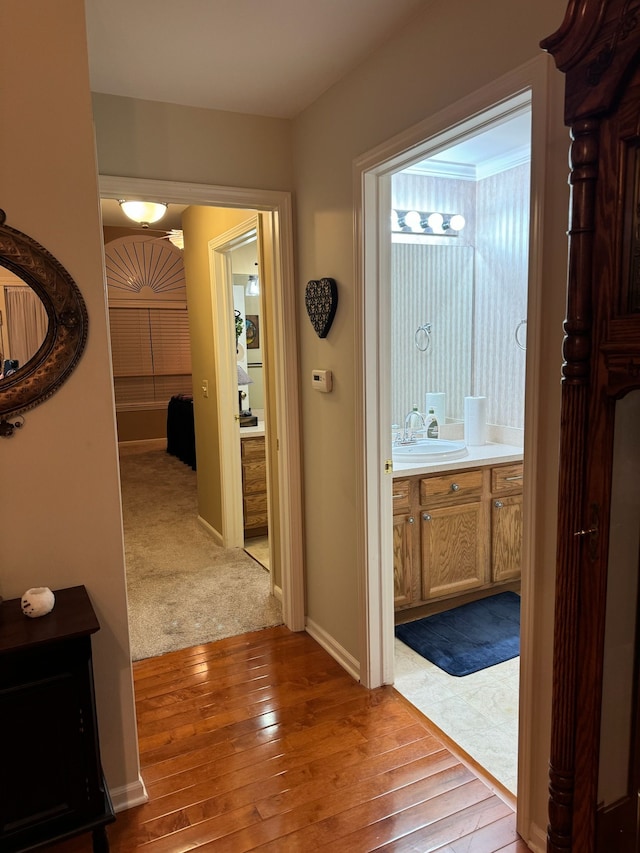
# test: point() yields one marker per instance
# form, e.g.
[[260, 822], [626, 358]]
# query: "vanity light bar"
[[427, 223]]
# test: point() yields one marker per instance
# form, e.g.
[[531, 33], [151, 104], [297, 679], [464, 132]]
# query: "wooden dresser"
[[51, 782], [254, 485]]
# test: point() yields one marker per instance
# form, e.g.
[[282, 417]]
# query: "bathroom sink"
[[430, 450]]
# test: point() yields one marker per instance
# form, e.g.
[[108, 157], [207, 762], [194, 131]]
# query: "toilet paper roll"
[[475, 420], [435, 400]]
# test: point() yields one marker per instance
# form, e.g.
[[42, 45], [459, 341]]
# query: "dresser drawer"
[[454, 484], [253, 448], [506, 479], [255, 511], [254, 477]]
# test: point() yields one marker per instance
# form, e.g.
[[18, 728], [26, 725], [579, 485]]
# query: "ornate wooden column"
[[597, 47]]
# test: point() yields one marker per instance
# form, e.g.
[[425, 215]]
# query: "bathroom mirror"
[[431, 285], [63, 330]]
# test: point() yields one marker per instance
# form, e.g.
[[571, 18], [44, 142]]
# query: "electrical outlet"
[[205, 387]]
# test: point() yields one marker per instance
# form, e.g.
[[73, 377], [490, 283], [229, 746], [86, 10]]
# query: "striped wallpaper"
[[472, 289]]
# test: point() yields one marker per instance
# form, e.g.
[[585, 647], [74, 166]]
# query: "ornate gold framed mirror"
[[27, 384]]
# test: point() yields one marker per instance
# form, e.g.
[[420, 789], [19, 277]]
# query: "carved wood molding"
[[594, 46], [597, 47]]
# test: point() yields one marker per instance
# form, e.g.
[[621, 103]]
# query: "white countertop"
[[486, 454], [252, 430]]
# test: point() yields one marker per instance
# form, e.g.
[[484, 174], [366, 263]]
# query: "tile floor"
[[258, 548], [479, 711]]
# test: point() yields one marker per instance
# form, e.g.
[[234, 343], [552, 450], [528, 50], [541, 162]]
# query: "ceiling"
[[264, 58], [251, 56]]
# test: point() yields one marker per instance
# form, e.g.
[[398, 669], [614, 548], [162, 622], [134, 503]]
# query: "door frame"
[[220, 249], [372, 203], [277, 223]]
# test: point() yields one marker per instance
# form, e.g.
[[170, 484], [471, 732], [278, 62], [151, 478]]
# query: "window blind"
[[151, 355]]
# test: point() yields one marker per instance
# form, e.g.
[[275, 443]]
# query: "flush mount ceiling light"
[[426, 223], [143, 212]]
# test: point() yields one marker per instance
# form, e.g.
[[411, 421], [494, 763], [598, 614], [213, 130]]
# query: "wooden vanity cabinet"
[[254, 485], [404, 543], [456, 531], [453, 532], [506, 522]]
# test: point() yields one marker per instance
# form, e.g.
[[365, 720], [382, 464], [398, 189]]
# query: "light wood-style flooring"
[[263, 742]]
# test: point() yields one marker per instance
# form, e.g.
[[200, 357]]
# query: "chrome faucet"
[[408, 434]]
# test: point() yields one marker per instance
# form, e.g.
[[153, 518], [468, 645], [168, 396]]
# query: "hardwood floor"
[[263, 742]]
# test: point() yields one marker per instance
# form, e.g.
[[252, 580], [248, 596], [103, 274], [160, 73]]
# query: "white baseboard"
[[128, 796], [277, 593], [336, 651], [537, 840], [212, 531]]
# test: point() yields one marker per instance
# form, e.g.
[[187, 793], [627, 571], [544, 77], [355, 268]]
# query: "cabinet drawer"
[[253, 448], [455, 484], [506, 478], [255, 511], [254, 477], [400, 495]]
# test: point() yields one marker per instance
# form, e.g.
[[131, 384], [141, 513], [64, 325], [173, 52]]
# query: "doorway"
[[458, 283], [373, 202], [275, 214]]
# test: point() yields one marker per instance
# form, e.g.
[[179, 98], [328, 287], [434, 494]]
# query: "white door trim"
[[226, 383], [278, 227], [373, 427]]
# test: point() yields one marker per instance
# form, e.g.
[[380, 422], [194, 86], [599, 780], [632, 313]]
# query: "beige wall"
[[201, 225], [444, 55], [147, 139], [61, 521]]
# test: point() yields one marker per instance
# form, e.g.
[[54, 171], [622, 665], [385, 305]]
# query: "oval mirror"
[[58, 324], [24, 323]]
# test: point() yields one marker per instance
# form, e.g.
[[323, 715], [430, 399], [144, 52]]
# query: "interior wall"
[[200, 226], [148, 139], [501, 282], [383, 97], [61, 520]]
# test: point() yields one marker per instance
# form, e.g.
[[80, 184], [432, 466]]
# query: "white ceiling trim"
[[464, 172]]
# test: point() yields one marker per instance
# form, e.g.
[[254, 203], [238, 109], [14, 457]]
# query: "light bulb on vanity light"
[[457, 222], [413, 221], [435, 222]]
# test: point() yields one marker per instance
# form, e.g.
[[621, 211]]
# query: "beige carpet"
[[183, 589]]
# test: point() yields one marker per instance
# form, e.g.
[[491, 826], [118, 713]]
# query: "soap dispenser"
[[433, 430]]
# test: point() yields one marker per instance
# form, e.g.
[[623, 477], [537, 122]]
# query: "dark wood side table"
[[51, 781]]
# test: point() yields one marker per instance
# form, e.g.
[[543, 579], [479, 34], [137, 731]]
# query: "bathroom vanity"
[[254, 481], [457, 525]]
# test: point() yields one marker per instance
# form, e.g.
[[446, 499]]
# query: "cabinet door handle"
[[498, 504], [426, 516], [411, 519], [455, 487], [401, 495]]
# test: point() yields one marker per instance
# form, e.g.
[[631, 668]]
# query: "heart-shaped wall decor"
[[321, 299]]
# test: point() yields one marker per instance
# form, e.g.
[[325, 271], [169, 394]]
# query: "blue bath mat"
[[468, 638]]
